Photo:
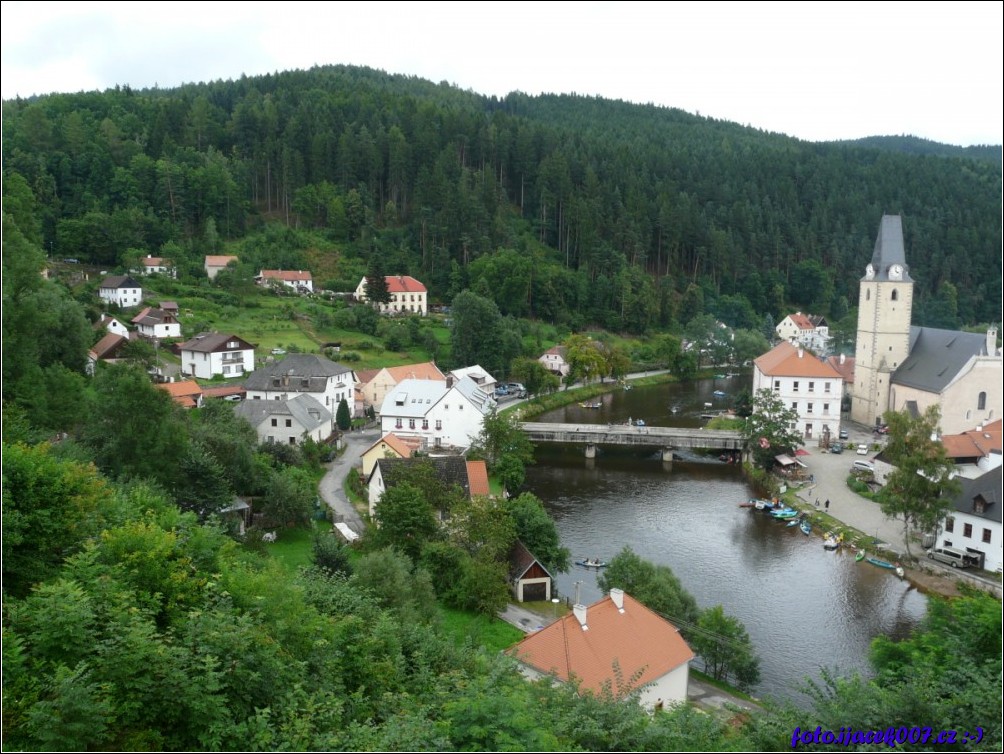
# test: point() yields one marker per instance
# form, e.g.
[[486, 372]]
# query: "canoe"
[[830, 543], [591, 405], [793, 522], [880, 563], [591, 563], [784, 513], [806, 527], [860, 556]]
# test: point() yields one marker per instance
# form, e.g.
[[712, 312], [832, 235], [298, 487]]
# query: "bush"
[[331, 554]]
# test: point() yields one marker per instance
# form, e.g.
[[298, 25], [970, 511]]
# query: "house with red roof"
[[553, 360], [808, 385], [300, 281], [186, 393], [407, 295], [616, 644], [152, 322], [805, 330], [217, 262], [151, 265]]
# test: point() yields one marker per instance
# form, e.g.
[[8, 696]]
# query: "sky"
[[818, 71]]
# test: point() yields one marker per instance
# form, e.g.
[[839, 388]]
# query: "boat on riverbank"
[[806, 527]]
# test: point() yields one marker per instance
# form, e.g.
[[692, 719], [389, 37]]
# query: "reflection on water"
[[804, 608]]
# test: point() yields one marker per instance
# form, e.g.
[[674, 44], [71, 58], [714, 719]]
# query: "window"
[[226, 369], [232, 344], [981, 404], [895, 295], [461, 406], [808, 408], [812, 387], [967, 530], [411, 424], [826, 408], [794, 387], [808, 430], [987, 534], [868, 295], [949, 524], [425, 423], [292, 441], [275, 422], [794, 406], [439, 423], [777, 384], [398, 425], [826, 387], [289, 422]]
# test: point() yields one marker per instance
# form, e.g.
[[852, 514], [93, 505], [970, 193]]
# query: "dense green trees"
[[769, 428]]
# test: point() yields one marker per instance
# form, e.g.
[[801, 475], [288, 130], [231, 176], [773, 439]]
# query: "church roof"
[[937, 356], [889, 249]]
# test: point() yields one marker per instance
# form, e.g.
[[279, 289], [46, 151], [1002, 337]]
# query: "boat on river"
[[784, 513], [881, 563], [597, 404], [806, 527], [860, 556], [719, 393], [591, 563]]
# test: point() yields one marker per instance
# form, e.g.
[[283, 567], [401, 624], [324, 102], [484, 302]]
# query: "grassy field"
[[491, 633], [294, 547]]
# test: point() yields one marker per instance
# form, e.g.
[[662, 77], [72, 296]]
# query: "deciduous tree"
[[770, 428]]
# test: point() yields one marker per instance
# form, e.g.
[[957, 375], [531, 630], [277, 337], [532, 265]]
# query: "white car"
[[862, 450]]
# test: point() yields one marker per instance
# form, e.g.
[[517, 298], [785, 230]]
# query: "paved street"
[[332, 484]]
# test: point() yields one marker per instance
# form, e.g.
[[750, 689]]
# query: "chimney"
[[992, 341], [617, 597], [842, 357], [801, 352], [580, 614]]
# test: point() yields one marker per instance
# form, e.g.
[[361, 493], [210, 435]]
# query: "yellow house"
[[388, 446], [375, 387]]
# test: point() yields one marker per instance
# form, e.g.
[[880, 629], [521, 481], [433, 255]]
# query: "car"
[[837, 447], [862, 449], [278, 351], [863, 466], [882, 429], [844, 434]]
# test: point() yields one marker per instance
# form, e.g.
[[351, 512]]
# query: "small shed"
[[529, 579]]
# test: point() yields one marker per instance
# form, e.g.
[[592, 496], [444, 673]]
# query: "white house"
[[217, 262], [807, 384], [112, 325], [212, 353], [482, 378], [329, 383], [617, 631], [438, 415], [407, 295], [121, 290], [288, 421], [975, 526], [151, 265], [300, 281], [805, 330], [553, 360], [157, 323]]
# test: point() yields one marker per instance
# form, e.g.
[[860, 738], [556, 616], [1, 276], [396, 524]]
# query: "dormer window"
[[979, 506]]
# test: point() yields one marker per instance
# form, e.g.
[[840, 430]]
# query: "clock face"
[[869, 272], [896, 271]]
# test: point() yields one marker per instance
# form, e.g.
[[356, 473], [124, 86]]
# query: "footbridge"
[[666, 438]]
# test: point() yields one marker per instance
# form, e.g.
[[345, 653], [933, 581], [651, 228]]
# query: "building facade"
[[407, 296], [328, 382], [211, 353], [121, 290]]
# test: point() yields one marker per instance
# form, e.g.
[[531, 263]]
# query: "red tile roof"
[[393, 442], [785, 360], [477, 477], [404, 284], [976, 443], [846, 369], [220, 260], [179, 389], [224, 391], [637, 640], [424, 371], [801, 321]]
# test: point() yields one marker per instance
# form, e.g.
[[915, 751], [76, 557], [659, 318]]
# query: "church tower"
[[885, 302]]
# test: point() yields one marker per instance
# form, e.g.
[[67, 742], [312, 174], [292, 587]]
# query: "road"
[[332, 485]]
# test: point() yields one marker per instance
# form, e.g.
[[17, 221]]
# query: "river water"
[[803, 607]]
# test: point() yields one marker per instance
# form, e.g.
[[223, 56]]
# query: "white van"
[[863, 466], [954, 558]]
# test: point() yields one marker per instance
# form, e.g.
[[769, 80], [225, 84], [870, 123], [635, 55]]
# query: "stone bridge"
[[666, 438]]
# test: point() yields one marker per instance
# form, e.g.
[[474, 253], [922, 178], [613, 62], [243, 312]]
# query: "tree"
[[476, 332], [921, 488], [502, 435], [585, 360], [330, 553], [618, 362], [537, 530], [655, 586], [770, 429], [726, 648], [483, 527], [534, 376], [289, 497], [747, 345], [342, 417], [202, 485], [377, 291], [406, 519]]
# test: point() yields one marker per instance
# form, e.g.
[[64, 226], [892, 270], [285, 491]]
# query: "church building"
[[901, 367]]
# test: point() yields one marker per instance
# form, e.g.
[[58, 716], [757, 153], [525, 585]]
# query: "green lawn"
[[491, 633], [294, 547]]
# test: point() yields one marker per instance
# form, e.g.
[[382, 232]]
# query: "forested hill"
[[914, 145], [575, 209]]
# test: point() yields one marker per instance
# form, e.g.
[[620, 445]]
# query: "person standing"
[[827, 503]]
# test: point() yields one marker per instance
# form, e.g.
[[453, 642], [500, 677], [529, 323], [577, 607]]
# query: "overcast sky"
[[815, 70]]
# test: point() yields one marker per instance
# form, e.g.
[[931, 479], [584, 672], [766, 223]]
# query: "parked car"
[[837, 447], [863, 466], [882, 429], [862, 449], [951, 556], [844, 434]]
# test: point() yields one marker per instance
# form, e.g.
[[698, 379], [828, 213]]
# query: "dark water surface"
[[804, 608]]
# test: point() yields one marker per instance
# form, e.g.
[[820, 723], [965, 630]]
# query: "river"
[[803, 607]]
